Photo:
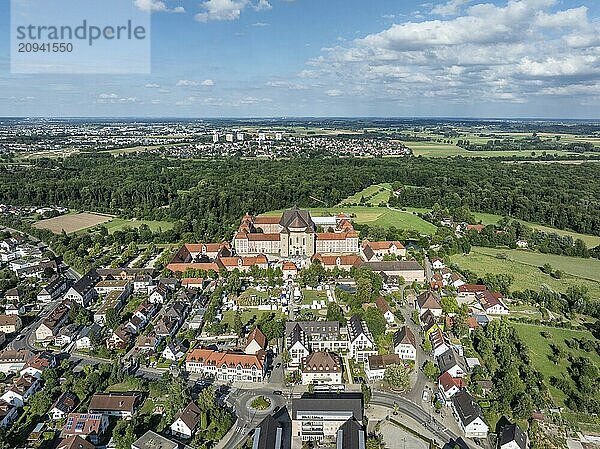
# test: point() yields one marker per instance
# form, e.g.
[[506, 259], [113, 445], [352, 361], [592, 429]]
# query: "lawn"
[[120, 223], [576, 266], [373, 194], [379, 216], [539, 350], [313, 295], [525, 276]]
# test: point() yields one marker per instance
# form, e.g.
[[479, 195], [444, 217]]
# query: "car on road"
[[19, 337], [278, 392]]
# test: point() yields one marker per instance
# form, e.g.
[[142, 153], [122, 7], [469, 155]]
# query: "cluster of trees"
[[581, 389], [207, 197], [518, 387], [576, 299]]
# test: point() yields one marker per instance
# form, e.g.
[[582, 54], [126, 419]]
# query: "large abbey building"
[[294, 234]]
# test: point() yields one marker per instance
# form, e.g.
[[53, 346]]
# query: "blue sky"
[[272, 58]]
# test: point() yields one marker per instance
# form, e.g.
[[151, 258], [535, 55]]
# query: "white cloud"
[[221, 10], [334, 93], [451, 8], [208, 83], [152, 86], [186, 83], [263, 5], [512, 52], [157, 6]]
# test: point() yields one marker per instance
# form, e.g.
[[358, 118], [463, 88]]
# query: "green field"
[[117, 224], [590, 240], [378, 216], [539, 350], [308, 296], [375, 194], [525, 276], [576, 266]]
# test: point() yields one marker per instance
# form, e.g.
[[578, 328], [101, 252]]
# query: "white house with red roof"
[[449, 386], [257, 341]]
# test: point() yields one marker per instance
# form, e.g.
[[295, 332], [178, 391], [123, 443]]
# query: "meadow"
[[72, 222], [539, 350], [526, 276]]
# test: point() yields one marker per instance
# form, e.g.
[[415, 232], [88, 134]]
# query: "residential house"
[[142, 282], [449, 386], [322, 367], [52, 323], [439, 343], [120, 338], [64, 405], [255, 342], [174, 351], [227, 366], [8, 414], [187, 421], [375, 365], [13, 361], [378, 250], [469, 415], [14, 308], [159, 294], [467, 293], [90, 426], [361, 343], [39, 363], [83, 292], [122, 405], [340, 262], [428, 301], [492, 303], [75, 442], [21, 390], [147, 343], [289, 269], [152, 440], [66, 335], [53, 290], [10, 324], [452, 363], [13, 295], [437, 263], [384, 307], [84, 340], [405, 344], [512, 437]]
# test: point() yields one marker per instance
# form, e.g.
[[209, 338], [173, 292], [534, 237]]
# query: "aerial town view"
[[293, 224]]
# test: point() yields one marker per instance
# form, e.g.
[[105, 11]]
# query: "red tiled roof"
[[447, 381], [257, 336], [232, 359]]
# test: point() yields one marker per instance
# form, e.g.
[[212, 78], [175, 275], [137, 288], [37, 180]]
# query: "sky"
[[343, 58]]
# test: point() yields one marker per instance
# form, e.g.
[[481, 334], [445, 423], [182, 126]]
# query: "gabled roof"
[[405, 336], [296, 218], [75, 442], [377, 362], [257, 336], [513, 432], [190, 415], [428, 300], [382, 305], [467, 409], [447, 382], [122, 402], [449, 359], [351, 435]]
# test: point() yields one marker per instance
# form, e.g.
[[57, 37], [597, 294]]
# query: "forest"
[[208, 197]]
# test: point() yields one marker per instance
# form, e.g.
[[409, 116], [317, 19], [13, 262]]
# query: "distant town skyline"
[[309, 58]]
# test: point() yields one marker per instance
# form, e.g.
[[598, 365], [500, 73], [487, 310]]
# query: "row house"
[[83, 292], [361, 343], [115, 300], [51, 324], [51, 292], [303, 337], [107, 286]]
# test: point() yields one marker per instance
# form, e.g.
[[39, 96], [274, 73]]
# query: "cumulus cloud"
[[221, 10], [511, 52], [157, 6], [208, 83]]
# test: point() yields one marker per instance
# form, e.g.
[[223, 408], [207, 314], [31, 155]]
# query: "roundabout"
[[260, 404]]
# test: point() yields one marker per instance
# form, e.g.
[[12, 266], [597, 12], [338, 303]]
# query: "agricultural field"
[[539, 350], [72, 222], [116, 224], [377, 216], [525, 276]]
